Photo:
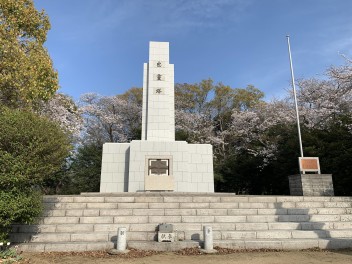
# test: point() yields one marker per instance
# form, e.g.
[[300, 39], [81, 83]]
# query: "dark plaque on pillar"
[[158, 167]]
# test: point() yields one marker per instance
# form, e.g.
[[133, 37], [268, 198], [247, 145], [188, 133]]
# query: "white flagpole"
[[294, 93]]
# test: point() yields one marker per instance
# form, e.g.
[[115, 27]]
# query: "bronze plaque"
[[158, 167], [309, 164]]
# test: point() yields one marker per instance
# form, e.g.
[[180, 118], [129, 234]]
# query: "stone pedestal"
[[311, 185]]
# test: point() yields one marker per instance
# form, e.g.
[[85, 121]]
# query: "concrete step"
[[286, 244], [182, 235], [88, 219], [303, 206], [281, 244], [80, 237], [193, 211], [64, 246], [148, 217]]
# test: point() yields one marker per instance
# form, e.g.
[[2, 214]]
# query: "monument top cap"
[[159, 44]]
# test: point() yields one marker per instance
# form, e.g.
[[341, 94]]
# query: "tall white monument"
[[157, 162]]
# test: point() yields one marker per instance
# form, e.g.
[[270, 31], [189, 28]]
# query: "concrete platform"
[[90, 221]]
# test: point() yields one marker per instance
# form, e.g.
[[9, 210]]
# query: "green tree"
[[26, 70], [32, 149], [85, 169]]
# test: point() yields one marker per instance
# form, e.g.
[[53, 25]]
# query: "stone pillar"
[[208, 238], [158, 112], [121, 239]]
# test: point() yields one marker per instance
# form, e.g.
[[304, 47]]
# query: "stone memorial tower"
[[157, 162]]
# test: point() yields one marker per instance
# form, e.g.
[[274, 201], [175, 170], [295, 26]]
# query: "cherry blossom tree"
[[109, 118], [63, 110]]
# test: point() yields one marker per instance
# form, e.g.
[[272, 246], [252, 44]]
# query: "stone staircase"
[[90, 221]]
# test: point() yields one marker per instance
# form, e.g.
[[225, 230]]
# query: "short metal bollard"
[[208, 238], [121, 239]]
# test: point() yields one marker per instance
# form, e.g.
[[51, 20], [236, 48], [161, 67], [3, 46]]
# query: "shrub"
[[32, 149]]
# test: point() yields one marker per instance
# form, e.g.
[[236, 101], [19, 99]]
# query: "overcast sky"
[[100, 45]]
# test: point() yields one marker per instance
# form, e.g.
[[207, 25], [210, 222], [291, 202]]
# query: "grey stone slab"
[[263, 244], [188, 227], [228, 219], [273, 234], [234, 199], [73, 212], [262, 199], [54, 213], [233, 244], [280, 199], [133, 205], [338, 204], [332, 243], [115, 212], [346, 218], [301, 211], [31, 247], [285, 226], [164, 219], [49, 237], [61, 220], [317, 225], [282, 205], [278, 211], [293, 218], [143, 227], [135, 236], [148, 212], [223, 205], [164, 205], [251, 226], [65, 247], [299, 244], [206, 199], [181, 212], [96, 220], [262, 218], [242, 211], [178, 199], [197, 219], [130, 219], [225, 235], [149, 199], [309, 204], [90, 237], [194, 205], [82, 199], [101, 205], [109, 227], [253, 205], [142, 245], [67, 228], [331, 211], [211, 212], [325, 218], [91, 212], [99, 246], [221, 226], [342, 225], [340, 234], [119, 199], [309, 234]]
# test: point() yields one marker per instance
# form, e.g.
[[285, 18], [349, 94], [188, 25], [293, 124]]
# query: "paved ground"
[[292, 257]]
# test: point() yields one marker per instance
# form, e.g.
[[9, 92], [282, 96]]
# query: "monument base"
[[130, 167], [311, 185]]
